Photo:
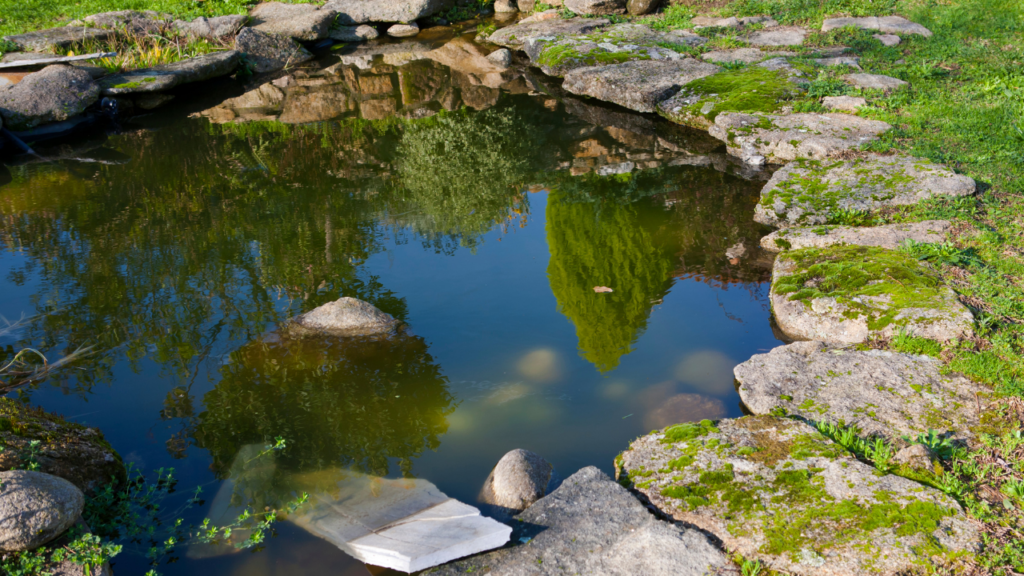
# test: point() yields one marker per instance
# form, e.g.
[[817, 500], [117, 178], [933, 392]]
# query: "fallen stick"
[[56, 60]]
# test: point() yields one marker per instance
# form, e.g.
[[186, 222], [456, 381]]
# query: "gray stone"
[[518, 480], [54, 39], [551, 14], [502, 58], [359, 33], [874, 82], [516, 36], [916, 456], [591, 525], [269, 52], [885, 394], [596, 7], [732, 22], [343, 317], [887, 39], [638, 85], [362, 11], [305, 22], [35, 508], [843, 103], [641, 7], [779, 36], [211, 28], [53, 94], [744, 55], [757, 138], [506, 6], [890, 236], [129, 21], [777, 491], [167, 76], [404, 30], [851, 61], [885, 24], [628, 42], [913, 299], [806, 192]]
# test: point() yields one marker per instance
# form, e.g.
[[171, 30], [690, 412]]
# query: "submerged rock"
[[305, 22], [639, 85], [343, 317], [518, 480], [53, 94], [846, 294], [167, 76], [269, 52], [35, 508], [759, 138], [517, 36], [591, 525], [884, 24], [777, 491], [362, 11], [812, 192], [886, 394], [890, 236], [54, 39]]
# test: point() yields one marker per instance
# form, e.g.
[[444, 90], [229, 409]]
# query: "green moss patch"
[[751, 89]]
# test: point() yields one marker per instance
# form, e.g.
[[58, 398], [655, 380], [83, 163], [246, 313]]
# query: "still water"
[[482, 212]]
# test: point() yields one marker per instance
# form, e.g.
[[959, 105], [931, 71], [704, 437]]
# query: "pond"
[[480, 212]]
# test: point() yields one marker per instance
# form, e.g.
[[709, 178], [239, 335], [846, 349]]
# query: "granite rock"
[[776, 139], [35, 508], [269, 52], [874, 82], [596, 7], [884, 24], [638, 85], [53, 39], [516, 36], [641, 7], [167, 76], [404, 30], [129, 21], [843, 103], [778, 36], [306, 22], [352, 12], [211, 28], [343, 317], [887, 39], [53, 94], [889, 236], [359, 33], [518, 480]]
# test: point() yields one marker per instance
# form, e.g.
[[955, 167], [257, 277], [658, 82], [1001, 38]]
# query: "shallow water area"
[[480, 207]]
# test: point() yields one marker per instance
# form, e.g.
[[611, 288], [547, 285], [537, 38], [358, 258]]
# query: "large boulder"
[[638, 85], [596, 7], [591, 525], [518, 480], [343, 317], [211, 28], [517, 36], [54, 39], [884, 24], [846, 294], [306, 22], [35, 508], [890, 236], [362, 11], [269, 52], [760, 138], [167, 76], [777, 491], [885, 394], [813, 192], [641, 7], [53, 94]]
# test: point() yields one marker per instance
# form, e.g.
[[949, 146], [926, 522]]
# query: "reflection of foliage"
[[463, 171], [606, 244], [339, 402]]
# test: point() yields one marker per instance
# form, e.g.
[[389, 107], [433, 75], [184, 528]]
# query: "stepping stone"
[[360, 33], [211, 28], [887, 39], [592, 525], [847, 294], [884, 24], [807, 192], [885, 394], [352, 12], [59, 38], [744, 55], [638, 85], [128, 21], [779, 36], [596, 7], [760, 138], [843, 103], [269, 52], [305, 22], [515, 37], [874, 82], [54, 94], [747, 89], [167, 76], [611, 45], [777, 491], [890, 236]]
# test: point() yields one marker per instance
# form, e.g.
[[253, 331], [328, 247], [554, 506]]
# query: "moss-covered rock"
[[612, 45], [778, 491], [77, 453], [753, 89], [845, 294]]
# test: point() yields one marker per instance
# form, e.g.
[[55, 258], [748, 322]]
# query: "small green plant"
[[851, 217], [944, 253], [674, 17], [751, 568], [940, 445], [907, 343]]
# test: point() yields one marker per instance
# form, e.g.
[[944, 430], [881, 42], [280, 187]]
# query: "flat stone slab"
[[811, 192], [885, 394], [884, 24], [362, 11], [890, 236], [846, 294], [305, 22], [638, 85], [54, 94], [167, 76], [731, 22], [592, 525], [844, 103], [211, 28], [743, 55], [887, 39], [515, 37], [874, 82], [776, 139], [270, 52], [779, 36], [131, 22], [777, 491], [59, 38]]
